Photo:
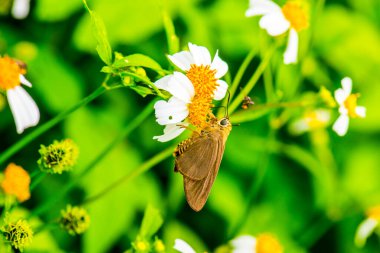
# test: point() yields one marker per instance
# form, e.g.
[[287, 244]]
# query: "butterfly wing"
[[197, 191], [196, 161]]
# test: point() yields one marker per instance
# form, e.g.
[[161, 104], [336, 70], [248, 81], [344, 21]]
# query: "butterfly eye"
[[224, 122]]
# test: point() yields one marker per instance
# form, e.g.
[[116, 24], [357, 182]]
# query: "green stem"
[[313, 232], [73, 182], [38, 178], [255, 187], [46, 126], [252, 82], [140, 170], [147, 81]]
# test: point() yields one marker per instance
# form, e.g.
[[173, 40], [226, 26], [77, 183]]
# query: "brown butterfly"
[[198, 159]]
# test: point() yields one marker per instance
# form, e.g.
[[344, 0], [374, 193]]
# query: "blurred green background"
[[315, 187]]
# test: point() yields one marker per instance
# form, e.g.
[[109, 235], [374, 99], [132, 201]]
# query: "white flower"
[[276, 21], [311, 120], [24, 109], [244, 244], [264, 243], [192, 92], [348, 107], [20, 9], [364, 230], [182, 246]]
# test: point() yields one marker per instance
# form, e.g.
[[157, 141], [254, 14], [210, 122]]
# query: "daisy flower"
[[311, 120], [348, 107], [276, 21], [192, 91], [23, 107], [367, 226], [264, 243], [182, 246]]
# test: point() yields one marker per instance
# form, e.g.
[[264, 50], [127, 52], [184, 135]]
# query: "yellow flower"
[[18, 234], [16, 182], [23, 107]]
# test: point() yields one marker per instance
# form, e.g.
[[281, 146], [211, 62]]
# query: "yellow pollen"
[[296, 15], [350, 104], [267, 243], [204, 82], [16, 182], [314, 120], [9, 73], [374, 213]]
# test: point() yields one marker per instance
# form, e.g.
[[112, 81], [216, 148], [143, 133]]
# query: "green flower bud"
[[58, 157], [18, 234], [158, 246], [140, 71], [141, 245], [75, 220]]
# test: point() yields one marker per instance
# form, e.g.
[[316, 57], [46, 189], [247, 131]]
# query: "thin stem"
[[310, 235], [47, 125], [252, 82], [73, 182], [147, 81], [38, 178], [140, 170], [255, 187]]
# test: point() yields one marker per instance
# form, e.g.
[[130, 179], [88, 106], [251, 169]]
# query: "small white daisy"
[[192, 91], [24, 109], [367, 226], [264, 243], [348, 107], [311, 120], [182, 246], [276, 21]]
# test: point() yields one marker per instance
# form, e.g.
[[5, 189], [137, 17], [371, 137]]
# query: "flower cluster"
[[18, 234], [23, 107], [16, 182], [192, 91], [58, 157], [75, 220]]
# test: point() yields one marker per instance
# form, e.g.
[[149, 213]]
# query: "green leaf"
[[137, 60], [141, 90], [152, 221], [103, 46]]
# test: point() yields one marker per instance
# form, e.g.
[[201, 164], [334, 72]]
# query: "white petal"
[[20, 9], [170, 112], [323, 115], [340, 96], [275, 23], [181, 87], [163, 82], [182, 246], [364, 230], [200, 54], [24, 81], [219, 65], [244, 244], [23, 107], [182, 60], [360, 111], [221, 90], [170, 132], [261, 7], [300, 126], [341, 125], [347, 85], [291, 52]]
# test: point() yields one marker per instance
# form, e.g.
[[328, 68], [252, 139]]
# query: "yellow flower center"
[[267, 243], [9, 73], [374, 213], [16, 182], [204, 82], [296, 15], [350, 103], [314, 120]]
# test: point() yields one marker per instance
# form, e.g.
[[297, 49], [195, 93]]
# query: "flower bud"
[[18, 234], [58, 157], [75, 220]]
